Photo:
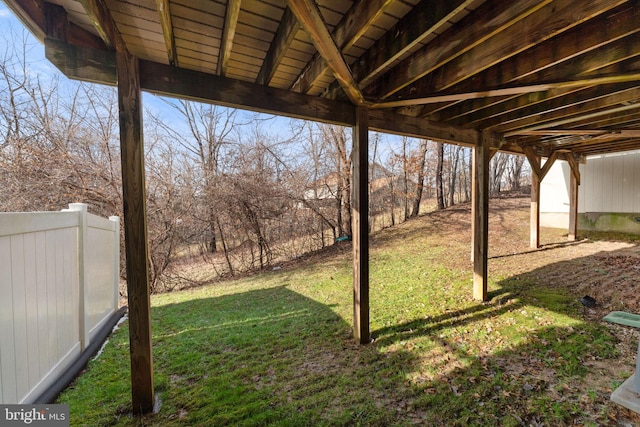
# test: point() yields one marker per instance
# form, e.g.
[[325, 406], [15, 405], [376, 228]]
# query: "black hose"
[[61, 383]]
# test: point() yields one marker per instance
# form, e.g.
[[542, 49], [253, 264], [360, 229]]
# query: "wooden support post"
[[536, 177], [573, 208], [492, 154], [574, 185], [481, 158], [135, 228], [360, 226], [538, 173], [534, 222]]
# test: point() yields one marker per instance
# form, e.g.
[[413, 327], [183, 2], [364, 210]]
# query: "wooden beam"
[[230, 24], [481, 154], [617, 133], [164, 10], [30, 13], [188, 84], [569, 56], [311, 20], [99, 66], [135, 229], [426, 18], [576, 115], [491, 18], [161, 79], [387, 121], [285, 34], [507, 91], [88, 65], [103, 22], [360, 227], [351, 27]]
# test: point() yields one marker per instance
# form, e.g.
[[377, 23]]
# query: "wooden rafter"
[[311, 20], [30, 14], [167, 30], [427, 17], [514, 90], [618, 133], [490, 19], [545, 23], [287, 30], [99, 66], [352, 26], [575, 54], [521, 111], [230, 24], [614, 103], [571, 53], [103, 23]]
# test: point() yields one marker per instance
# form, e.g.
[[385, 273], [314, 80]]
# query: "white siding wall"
[[609, 184], [41, 314]]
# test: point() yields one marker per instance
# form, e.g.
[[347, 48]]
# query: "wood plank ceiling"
[[540, 75]]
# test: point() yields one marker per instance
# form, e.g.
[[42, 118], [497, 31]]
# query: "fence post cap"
[[77, 207]]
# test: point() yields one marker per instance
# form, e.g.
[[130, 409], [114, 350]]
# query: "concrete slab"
[[626, 396]]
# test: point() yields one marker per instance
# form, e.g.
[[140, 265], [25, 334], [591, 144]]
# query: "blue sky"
[[37, 63], [278, 127]]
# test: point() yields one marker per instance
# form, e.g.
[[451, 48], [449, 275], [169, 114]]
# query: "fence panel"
[[43, 305]]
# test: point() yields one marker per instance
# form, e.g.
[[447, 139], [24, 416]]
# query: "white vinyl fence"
[[59, 274]]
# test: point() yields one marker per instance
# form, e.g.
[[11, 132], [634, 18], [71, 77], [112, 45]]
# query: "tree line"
[[225, 192]]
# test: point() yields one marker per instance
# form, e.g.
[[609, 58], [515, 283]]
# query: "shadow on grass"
[[272, 356], [532, 355]]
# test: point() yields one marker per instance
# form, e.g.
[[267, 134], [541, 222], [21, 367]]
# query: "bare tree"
[[439, 175], [421, 156], [498, 166], [209, 131], [514, 169], [339, 141], [453, 174]]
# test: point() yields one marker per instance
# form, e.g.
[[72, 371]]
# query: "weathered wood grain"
[[135, 231]]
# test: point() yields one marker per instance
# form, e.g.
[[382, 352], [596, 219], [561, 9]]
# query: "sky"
[[279, 128], [37, 63]]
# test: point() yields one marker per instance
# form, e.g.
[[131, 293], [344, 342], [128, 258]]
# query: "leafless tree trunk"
[[498, 166], [515, 167], [417, 199], [210, 131], [439, 173], [338, 138], [454, 173]]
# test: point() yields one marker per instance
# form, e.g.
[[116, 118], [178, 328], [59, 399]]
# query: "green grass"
[[276, 349]]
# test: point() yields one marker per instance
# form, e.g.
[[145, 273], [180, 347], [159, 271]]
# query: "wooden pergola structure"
[[558, 79]]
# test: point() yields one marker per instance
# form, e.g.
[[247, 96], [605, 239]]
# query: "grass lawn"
[[276, 348]]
